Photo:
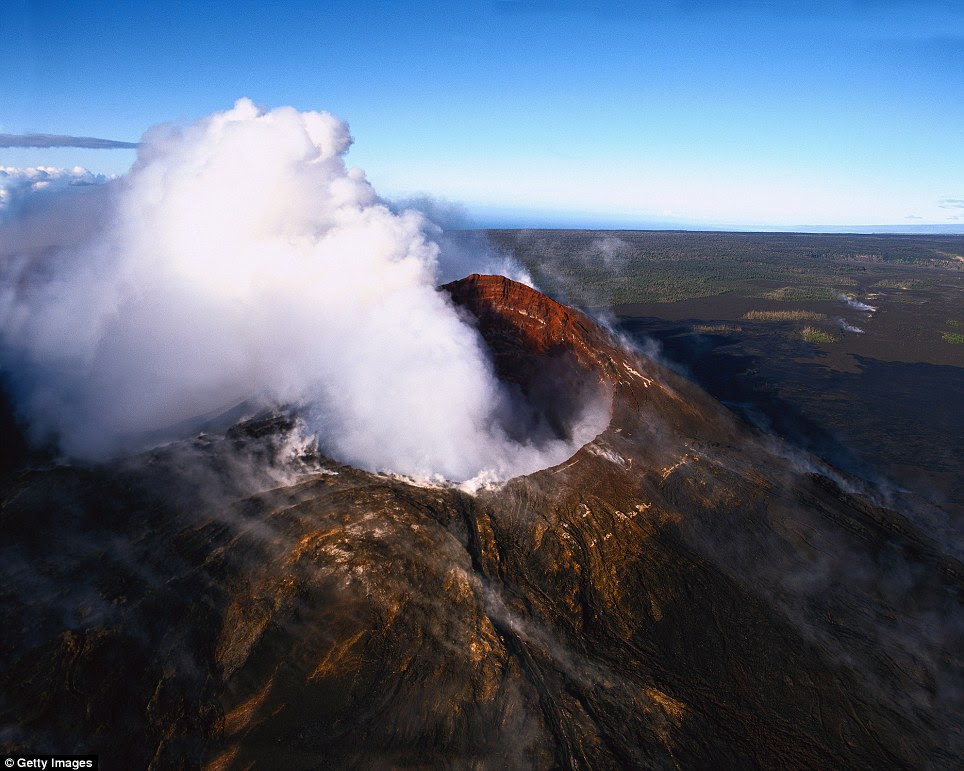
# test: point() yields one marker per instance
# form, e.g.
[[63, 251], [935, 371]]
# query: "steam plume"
[[240, 259], [856, 304], [847, 327]]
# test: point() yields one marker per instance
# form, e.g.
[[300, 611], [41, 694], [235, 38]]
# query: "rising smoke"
[[847, 327], [854, 303], [241, 261]]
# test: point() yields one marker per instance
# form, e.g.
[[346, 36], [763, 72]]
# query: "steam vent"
[[683, 592]]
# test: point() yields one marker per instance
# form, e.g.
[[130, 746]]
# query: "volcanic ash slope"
[[683, 592]]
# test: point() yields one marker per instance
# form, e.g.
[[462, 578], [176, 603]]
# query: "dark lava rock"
[[683, 592]]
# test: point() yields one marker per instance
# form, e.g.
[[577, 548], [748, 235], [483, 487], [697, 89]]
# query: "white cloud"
[[17, 184], [240, 259]]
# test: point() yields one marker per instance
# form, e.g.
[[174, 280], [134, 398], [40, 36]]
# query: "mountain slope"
[[682, 592]]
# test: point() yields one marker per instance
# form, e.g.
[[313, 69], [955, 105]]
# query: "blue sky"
[[716, 114]]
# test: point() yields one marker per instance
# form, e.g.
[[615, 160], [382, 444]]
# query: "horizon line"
[[936, 229]]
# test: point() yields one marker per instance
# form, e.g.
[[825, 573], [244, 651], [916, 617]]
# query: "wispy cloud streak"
[[63, 140]]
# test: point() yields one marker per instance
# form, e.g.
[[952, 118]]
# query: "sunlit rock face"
[[682, 592], [545, 352]]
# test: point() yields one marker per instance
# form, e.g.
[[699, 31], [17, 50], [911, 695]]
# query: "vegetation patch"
[[784, 316], [716, 329], [790, 293], [953, 323], [814, 335], [891, 283], [953, 337]]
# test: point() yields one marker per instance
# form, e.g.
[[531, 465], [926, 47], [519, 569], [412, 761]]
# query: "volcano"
[[682, 592]]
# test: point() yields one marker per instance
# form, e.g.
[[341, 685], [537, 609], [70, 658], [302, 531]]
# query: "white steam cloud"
[[240, 260], [847, 327], [856, 304]]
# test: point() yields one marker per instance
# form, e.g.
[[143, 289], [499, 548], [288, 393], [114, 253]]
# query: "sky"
[[710, 114]]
